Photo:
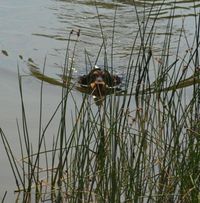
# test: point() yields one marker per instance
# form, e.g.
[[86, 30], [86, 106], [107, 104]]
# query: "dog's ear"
[[83, 80], [107, 78], [116, 80], [112, 80]]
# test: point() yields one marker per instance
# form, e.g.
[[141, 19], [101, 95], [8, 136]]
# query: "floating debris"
[[4, 52]]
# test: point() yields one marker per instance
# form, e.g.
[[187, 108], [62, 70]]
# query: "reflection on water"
[[79, 14]]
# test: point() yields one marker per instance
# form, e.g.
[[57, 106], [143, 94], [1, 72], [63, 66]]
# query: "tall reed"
[[141, 146]]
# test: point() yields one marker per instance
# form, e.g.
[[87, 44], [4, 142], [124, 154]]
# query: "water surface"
[[36, 29]]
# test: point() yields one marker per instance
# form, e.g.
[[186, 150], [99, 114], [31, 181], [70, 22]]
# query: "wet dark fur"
[[94, 74]]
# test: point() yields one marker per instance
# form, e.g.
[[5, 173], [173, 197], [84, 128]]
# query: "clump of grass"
[[142, 146]]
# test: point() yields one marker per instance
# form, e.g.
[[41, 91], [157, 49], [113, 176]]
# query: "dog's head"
[[99, 80]]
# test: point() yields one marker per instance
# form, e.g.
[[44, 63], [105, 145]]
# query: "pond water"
[[38, 29]]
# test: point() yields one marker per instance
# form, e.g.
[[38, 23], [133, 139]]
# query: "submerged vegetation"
[[139, 146]]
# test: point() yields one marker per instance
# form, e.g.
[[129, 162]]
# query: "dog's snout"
[[99, 79]]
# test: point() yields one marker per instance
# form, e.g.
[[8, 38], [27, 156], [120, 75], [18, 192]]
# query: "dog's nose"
[[99, 79]]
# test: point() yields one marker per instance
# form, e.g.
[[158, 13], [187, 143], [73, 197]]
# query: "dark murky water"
[[35, 29]]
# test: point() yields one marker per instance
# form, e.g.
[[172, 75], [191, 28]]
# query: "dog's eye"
[[93, 77]]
